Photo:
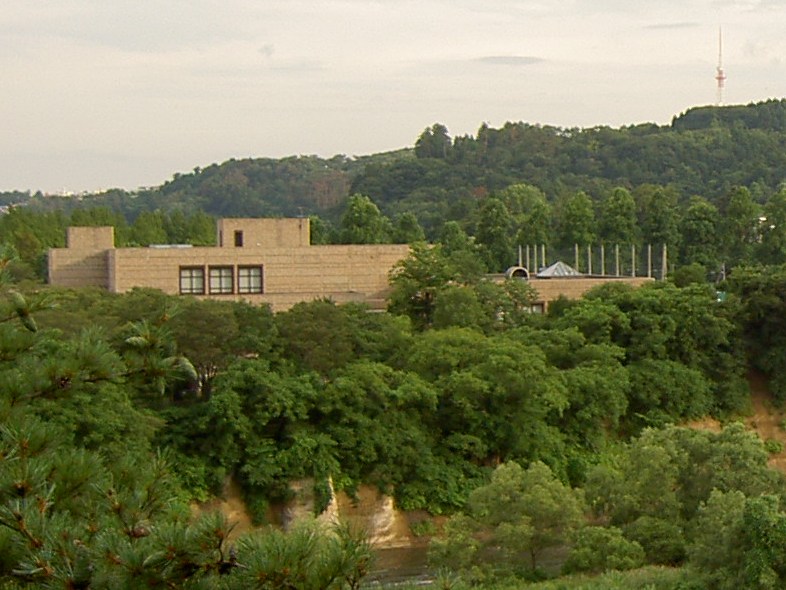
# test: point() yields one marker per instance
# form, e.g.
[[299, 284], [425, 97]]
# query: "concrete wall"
[[264, 233], [575, 287], [293, 270], [342, 273], [84, 262]]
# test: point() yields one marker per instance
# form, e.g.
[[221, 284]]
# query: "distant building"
[[268, 261], [562, 280], [257, 260]]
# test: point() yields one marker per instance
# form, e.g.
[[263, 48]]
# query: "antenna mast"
[[720, 75]]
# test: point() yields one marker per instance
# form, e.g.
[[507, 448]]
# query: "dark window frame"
[[238, 238], [216, 281], [192, 280], [245, 277]]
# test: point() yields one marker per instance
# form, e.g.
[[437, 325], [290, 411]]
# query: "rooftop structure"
[[258, 260], [267, 261]]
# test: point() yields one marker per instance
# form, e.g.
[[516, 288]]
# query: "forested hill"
[[705, 151]]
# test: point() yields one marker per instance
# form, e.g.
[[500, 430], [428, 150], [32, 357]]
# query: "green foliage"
[[434, 142], [772, 244], [307, 558], [691, 274], [493, 234], [700, 231], [617, 218], [663, 540], [418, 279], [739, 226], [363, 223], [598, 549], [646, 578], [530, 212], [740, 542], [655, 489], [518, 515], [317, 335], [760, 313], [85, 502], [575, 220]]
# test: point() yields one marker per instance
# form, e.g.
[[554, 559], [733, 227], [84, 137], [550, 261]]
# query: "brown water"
[[399, 566]]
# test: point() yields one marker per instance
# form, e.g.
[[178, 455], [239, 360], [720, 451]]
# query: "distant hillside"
[[705, 151]]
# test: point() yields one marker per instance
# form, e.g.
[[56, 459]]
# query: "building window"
[[249, 279], [221, 280], [192, 280], [238, 238]]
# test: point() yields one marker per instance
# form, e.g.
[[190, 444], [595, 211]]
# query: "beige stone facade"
[[574, 287], [257, 260]]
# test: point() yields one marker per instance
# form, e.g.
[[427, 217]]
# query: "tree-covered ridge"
[[706, 151], [709, 191]]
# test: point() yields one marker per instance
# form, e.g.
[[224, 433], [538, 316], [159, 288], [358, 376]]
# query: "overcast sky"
[[124, 93]]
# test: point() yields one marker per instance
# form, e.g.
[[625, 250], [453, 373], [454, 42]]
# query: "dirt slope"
[[766, 419]]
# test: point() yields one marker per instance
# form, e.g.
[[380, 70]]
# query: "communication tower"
[[720, 75]]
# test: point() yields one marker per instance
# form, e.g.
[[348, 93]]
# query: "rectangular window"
[[192, 280], [249, 279], [221, 280], [238, 239]]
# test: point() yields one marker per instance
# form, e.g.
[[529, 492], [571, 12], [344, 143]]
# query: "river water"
[[399, 566]]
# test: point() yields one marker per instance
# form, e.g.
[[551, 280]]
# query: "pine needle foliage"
[[85, 501]]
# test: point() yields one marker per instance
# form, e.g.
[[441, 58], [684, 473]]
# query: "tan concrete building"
[[258, 260]]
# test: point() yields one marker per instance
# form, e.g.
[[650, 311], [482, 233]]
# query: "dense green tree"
[[434, 142], [598, 549], [362, 222], [717, 546], [700, 231], [659, 216], [690, 274], [688, 326], [498, 395], [459, 306], [371, 412], [321, 231], [406, 229], [772, 248], [148, 228], [740, 542], [494, 234], [531, 213], [668, 473], [617, 223], [574, 220], [664, 391], [84, 505], [739, 226], [761, 312], [519, 513], [417, 281], [317, 335], [462, 251], [206, 328]]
